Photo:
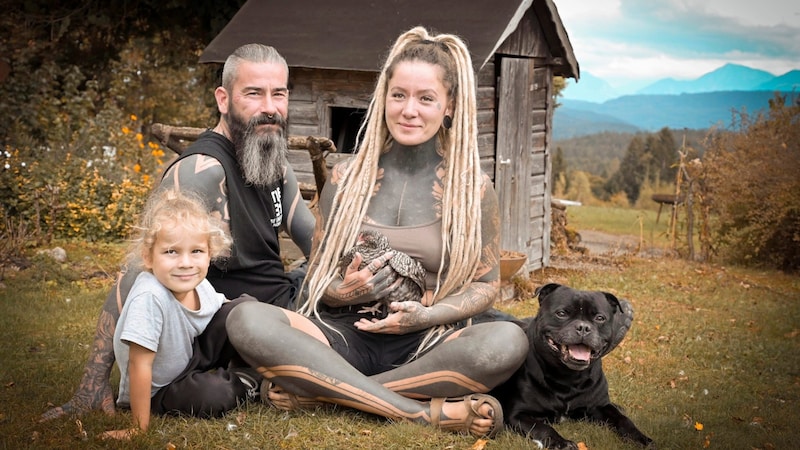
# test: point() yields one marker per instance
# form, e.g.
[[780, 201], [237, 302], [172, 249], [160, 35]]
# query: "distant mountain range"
[[709, 100]]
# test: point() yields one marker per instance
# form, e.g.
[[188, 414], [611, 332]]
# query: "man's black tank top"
[[255, 265]]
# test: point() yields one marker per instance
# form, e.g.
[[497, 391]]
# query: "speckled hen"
[[372, 244]]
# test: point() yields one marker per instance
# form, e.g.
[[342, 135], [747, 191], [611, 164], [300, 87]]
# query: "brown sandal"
[[296, 403], [463, 425]]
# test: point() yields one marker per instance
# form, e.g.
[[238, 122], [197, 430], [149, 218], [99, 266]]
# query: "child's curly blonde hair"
[[168, 207]]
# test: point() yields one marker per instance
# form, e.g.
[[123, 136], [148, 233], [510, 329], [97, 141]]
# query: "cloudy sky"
[[636, 42]]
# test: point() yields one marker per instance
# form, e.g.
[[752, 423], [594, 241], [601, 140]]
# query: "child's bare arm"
[[140, 369]]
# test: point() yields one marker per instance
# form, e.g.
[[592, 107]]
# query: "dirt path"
[[599, 243], [602, 251]]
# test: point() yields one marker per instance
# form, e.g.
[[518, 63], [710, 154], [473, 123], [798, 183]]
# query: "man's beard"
[[262, 157]]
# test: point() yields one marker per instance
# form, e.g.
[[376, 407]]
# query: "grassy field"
[[711, 362], [642, 224]]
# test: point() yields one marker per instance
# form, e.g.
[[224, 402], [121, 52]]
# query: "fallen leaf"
[[170, 446], [240, 418], [698, 426], [792, 334], [582, 446], [480, 444]]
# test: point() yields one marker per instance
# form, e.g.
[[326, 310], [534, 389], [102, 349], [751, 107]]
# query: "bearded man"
[[240, 169]]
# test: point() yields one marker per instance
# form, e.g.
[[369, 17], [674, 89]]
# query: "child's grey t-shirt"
[[153, 318]]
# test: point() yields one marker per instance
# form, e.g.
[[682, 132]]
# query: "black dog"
[[562, 376]]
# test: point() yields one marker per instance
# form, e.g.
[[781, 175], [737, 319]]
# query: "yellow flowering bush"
[[94, 196]]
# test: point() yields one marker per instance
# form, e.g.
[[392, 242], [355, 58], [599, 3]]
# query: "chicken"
[[372, 244]]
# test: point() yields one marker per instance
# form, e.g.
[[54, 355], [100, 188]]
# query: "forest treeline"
[[600, 153]]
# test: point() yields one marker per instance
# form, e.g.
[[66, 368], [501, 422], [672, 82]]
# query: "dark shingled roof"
[[357, 34]]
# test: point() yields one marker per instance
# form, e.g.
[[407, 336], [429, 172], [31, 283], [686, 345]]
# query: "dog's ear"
[[613, 300], [547, 289], [622, 321]]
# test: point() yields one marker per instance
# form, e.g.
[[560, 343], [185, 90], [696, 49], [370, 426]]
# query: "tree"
[[559, 171], [632, 171], [559, 83], [664, 156]]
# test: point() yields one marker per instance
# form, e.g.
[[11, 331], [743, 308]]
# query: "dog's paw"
[[563, 445]]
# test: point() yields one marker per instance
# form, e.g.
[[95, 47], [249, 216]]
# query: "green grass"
[[711, 346], [652, 230], [621, 221]]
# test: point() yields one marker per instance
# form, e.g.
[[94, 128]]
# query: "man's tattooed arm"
[[204, 176], [298, 219]]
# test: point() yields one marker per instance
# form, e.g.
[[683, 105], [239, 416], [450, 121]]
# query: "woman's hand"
[[408, 317], [367, 285], [404, 317]]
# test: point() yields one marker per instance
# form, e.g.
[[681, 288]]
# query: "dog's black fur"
[[562, 376]]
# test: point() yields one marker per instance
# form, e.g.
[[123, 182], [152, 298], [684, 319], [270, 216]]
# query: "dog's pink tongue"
[[580, 352]]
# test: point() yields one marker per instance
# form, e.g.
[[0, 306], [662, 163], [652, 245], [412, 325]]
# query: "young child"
[[170, 304]]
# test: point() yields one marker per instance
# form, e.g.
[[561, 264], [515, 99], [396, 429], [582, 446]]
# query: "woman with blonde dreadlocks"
[[416, 178]]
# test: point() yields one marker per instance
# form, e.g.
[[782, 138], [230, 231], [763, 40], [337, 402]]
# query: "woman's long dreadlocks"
[[461, 202]]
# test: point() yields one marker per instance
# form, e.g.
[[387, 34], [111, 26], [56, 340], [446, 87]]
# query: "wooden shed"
[[335, 49]]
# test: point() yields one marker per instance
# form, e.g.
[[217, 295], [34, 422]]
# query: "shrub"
[[751, 179]]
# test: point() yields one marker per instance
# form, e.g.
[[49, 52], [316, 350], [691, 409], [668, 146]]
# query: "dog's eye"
[[599, 318], [561, 314]]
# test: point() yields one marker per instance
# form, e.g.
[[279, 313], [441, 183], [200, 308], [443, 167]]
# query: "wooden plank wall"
[[313, 93], [486, 80]]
